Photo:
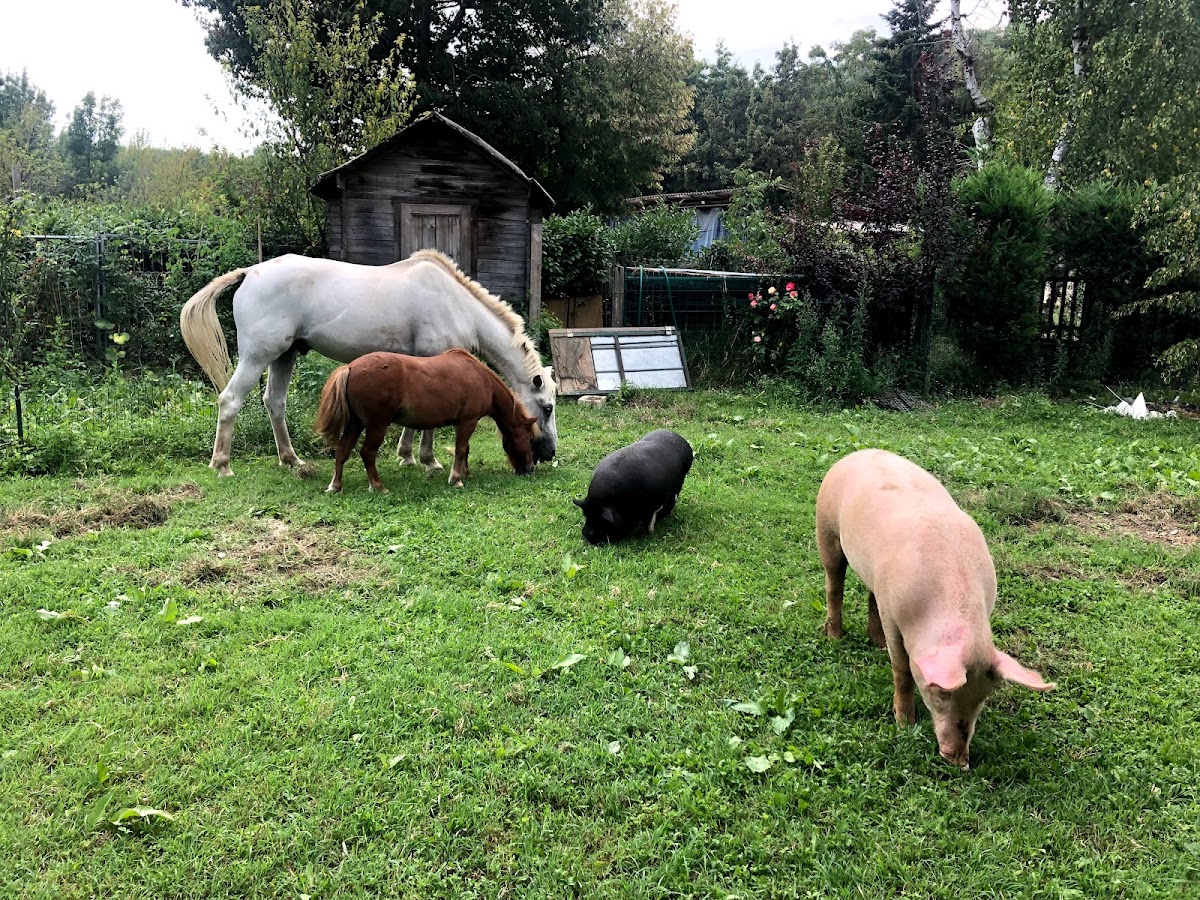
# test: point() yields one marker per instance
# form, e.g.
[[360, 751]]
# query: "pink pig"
[[932, 588]]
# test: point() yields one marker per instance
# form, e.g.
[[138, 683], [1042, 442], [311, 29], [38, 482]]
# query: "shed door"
[[449, 228]]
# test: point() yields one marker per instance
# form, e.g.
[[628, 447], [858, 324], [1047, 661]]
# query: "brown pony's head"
[[517, 437]]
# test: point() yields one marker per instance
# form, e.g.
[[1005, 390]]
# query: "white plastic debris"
[[1138, 410]]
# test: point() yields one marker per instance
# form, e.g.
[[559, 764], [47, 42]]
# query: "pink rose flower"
[[793, 295], [790, 286], [754, 303], [751, 296], [772, 307], [757, 338]]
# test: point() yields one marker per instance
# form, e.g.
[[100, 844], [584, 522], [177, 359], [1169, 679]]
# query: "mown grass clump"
[[446, 693]]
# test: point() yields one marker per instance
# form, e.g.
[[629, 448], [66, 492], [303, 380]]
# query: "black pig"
[[635, 484]]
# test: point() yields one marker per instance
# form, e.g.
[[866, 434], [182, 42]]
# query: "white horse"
[[420, 306]]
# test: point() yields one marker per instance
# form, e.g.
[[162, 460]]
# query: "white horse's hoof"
[[406, 462], [223, 471], [431, 468], [333, 489], [381, 490], [295, 462]]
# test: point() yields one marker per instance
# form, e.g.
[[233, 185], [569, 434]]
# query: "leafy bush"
[[821, 353], [661, 236], [139, 266], [993, 290], [1095, 235], [577, 250], [1171, 218], [754, 233]]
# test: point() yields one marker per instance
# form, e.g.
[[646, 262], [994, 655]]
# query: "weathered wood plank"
[[573, 366]]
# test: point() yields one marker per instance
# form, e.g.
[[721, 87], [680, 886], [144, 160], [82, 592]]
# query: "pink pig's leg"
[[834, 561], [903, 701], [874, 626]]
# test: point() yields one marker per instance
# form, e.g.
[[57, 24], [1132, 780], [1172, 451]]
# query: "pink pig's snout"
[[954, 742], [957, 756]]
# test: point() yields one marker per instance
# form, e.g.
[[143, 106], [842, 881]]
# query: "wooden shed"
[[435, 185]]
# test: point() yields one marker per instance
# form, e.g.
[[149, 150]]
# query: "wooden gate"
[[447, 227], [1064, 308]]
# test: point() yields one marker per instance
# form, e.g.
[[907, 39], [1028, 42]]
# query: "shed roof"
[[327, 187], [718, 198]]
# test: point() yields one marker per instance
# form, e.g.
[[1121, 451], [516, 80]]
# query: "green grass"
[[368, 705]]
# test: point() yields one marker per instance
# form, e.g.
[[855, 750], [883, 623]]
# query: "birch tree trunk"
[[982, 129], [1079, 46]]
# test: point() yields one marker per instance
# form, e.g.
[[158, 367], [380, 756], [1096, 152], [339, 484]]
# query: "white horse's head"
[[539, 396]]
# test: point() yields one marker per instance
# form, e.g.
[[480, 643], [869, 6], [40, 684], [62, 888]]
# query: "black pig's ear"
[[582, 504], [608, 515]]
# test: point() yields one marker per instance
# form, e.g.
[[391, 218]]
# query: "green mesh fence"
[[690, 300]]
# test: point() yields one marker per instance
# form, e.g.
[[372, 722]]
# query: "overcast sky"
[[150, 55]]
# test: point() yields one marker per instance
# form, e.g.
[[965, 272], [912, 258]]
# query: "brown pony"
[[453, 388]]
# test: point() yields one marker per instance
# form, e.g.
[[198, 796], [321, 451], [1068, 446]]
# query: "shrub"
[[147, 262], [992, 292], [821, 353], [1171, 219], [576, 252], [1095, 235], [754, 242], [660, 236]]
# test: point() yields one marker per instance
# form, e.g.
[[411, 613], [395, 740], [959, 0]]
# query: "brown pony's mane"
[[531, 363], [504, 388]]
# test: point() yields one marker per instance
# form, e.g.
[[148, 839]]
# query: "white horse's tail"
[[202, 331]]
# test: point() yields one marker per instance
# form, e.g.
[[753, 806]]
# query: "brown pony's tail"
[[202, 331], [333, 412]]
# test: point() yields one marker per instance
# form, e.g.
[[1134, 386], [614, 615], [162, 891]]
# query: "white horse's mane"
[[531, 363]]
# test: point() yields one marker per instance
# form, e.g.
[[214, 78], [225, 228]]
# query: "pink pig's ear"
[[1011, 670], [944, 668]]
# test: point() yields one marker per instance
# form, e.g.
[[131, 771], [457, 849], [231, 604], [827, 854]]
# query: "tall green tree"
[[915, 32], [1098, 88], [89, 143], [516, 73], [335, 86], [628, 107], [28, 156], [722, 119]]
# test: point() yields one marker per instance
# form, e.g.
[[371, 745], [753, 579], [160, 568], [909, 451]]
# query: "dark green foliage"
[[144, 263], [659, 236], [721, 116], [993, 291], [28, 154], [1169, 219], [576, 252], [89, 144], [1095, 236]]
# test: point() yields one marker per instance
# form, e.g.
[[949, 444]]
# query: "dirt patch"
[[1156, 518], [119, 510], [265, 551]]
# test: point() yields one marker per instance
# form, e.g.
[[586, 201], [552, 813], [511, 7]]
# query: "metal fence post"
[[99, 290]]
